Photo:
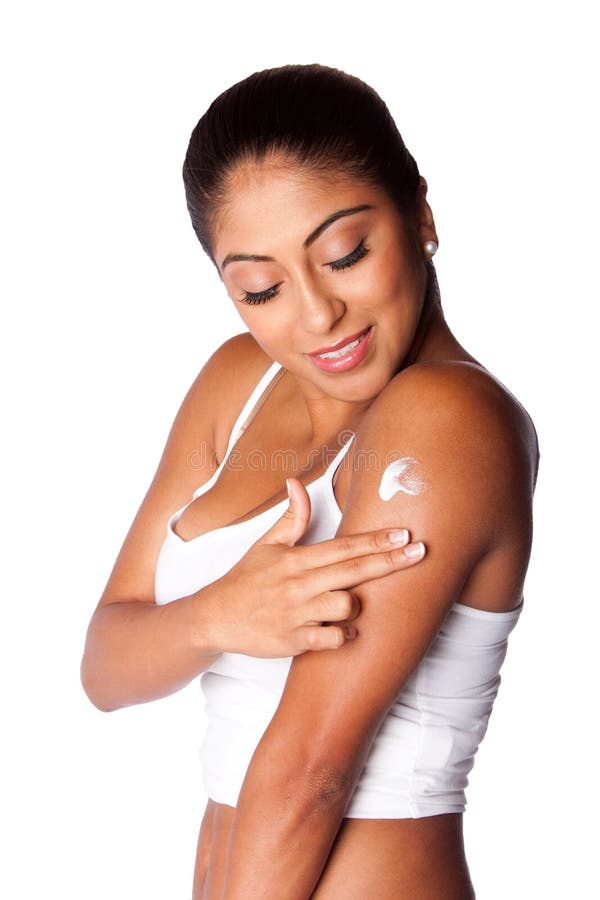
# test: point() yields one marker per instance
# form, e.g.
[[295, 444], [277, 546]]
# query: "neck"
[[433, 339]]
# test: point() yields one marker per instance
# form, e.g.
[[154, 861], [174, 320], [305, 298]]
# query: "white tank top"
[[419, 761]]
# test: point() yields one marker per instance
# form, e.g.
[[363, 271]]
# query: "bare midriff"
[[382, 859]]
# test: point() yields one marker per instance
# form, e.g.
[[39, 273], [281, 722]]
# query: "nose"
[[319, 309]]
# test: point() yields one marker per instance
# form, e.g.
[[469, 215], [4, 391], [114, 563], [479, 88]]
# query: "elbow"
[[321, 786], [93, 671], [91, 687]]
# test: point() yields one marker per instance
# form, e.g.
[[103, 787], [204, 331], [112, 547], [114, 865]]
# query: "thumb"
[[293, 523]]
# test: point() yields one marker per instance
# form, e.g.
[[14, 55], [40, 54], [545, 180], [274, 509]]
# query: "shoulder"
[[215, 396], [232, 371], [237, 358], [432, 387], [453, 445], [461, 404]]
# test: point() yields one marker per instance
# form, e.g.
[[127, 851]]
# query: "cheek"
[[375, 282], [402, 285], [385, 277], [273, 328]]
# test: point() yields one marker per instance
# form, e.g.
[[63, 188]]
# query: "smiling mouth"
[[343, 349]]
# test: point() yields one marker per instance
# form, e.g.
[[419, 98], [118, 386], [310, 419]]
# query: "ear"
[[425, 223]]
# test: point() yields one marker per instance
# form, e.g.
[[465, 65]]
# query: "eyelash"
[[337, 266]]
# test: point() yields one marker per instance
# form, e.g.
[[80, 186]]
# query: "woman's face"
[[310, 261]]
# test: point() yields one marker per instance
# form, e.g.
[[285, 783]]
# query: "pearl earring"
[[430, 248]]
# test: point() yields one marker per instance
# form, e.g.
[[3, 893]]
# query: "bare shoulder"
[[209, 406], [237, 366], [464, 403], [464, 455], [236, 358], [457, 380]]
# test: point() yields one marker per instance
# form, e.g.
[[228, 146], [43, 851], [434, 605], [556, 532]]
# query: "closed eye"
[[262, 296], [336, 266], [352, 258]]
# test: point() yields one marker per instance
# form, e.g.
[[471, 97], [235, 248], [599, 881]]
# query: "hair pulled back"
[[318, 116]]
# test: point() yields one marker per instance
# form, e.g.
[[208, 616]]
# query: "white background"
[[110, 309]]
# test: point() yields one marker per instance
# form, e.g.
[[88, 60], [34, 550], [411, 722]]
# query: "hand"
[[277, 599]]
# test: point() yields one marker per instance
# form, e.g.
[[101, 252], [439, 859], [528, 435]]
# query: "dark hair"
[[318, 116]]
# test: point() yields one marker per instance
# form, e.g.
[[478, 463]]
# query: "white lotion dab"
[[401, 475]]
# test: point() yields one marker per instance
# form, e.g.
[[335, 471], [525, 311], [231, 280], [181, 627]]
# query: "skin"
[[420, 858]]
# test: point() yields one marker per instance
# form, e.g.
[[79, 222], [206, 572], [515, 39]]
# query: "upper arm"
[[467, 457], [187, 461]]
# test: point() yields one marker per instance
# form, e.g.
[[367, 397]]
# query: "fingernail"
[[415, 550], [398, 536]]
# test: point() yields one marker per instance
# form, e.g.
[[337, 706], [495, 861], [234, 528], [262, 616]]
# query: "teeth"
[[335, 354]]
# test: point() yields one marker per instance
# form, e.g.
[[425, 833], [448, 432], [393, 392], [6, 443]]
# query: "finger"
[[290, 527], [347, 574], [349, 546], [333, 606], [325, 637]]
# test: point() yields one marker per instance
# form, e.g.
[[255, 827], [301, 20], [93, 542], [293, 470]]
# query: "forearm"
[[137, 651], [283, 831]]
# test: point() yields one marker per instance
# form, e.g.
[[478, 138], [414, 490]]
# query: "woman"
[[337, 772]]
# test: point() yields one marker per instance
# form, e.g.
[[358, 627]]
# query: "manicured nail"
[[398, 536], [413, 551]]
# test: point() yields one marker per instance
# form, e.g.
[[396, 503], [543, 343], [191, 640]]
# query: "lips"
[[341, 343]]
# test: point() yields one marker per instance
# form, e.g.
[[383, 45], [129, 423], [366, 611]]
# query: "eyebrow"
[[312, 237]]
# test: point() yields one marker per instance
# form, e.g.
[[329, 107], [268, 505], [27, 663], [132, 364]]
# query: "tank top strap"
[[252, 404], [248, 410], [339, 456]]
